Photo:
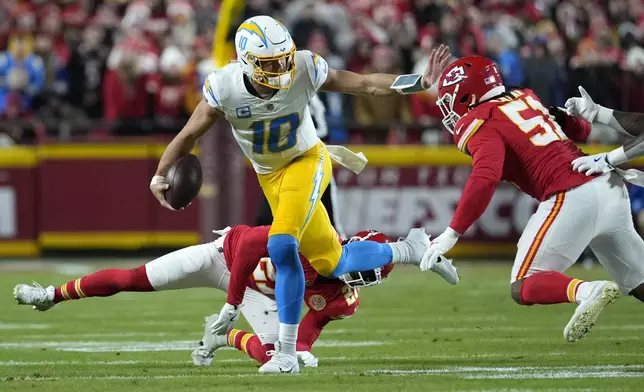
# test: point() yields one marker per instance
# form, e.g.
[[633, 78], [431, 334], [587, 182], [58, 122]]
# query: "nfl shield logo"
[[269, 106]]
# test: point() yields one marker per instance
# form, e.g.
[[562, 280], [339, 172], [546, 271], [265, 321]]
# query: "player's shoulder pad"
[[216, 87], [465, 128], [316, 65]]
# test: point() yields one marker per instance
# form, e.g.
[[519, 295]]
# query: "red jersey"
[[514, 138], [246, 254]]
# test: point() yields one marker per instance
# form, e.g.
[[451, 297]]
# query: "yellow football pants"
[[294, 193]]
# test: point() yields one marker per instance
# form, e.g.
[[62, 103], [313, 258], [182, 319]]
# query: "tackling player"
[[237, 262], [327, 300], [265, 96], [512, 137]]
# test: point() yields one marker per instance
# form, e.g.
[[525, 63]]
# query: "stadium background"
[[91, 91]]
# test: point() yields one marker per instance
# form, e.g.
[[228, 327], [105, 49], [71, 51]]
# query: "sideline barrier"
[[86, 196], [95, 196]]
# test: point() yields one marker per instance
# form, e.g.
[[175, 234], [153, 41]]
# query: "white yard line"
[[162, 377], [133, 346], [50, 363], [463, 372], [18, 326]]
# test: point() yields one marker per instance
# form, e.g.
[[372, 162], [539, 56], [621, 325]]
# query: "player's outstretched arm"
[[379, 84], [488, 156], [199, 123], [246, 256]]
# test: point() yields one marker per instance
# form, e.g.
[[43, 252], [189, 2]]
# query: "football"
[[184, 177]]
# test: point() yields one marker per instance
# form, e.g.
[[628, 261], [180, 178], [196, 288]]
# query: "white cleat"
[[41, 298], [280, 362], [602, 295], [446, 270], [307, 359], [205, 353]]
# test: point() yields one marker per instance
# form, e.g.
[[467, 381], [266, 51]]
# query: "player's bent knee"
[[281, 248], [515, 291], [325, 267], [638, 292]]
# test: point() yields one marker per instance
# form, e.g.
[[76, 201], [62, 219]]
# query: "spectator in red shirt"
[[126, 98], [169, 108]]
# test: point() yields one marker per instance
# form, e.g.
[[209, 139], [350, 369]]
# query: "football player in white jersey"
[[265, 96]]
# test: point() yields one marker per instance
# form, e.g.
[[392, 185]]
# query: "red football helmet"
[[464, 83], [370, 277]]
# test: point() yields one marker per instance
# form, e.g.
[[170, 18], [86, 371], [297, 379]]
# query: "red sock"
[[104, 283], [250, 344], [549, 287]]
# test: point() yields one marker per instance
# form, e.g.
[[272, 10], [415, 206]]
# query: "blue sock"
[[362, 256], [289, 279]]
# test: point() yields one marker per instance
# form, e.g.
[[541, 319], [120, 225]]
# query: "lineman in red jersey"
[[246, 254], [238, 260], [512, 137]]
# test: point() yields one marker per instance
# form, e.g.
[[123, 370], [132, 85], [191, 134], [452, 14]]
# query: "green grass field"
[[412, 333]]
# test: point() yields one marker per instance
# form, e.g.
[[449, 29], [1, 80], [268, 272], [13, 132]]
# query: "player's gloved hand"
[[593, 164], [583, 106], [227, 318], [438, 60], [439, 246], [158, 186], [307, 359]]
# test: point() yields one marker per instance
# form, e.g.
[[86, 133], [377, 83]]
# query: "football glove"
[[593, 164], [587, 109], [583, 106], [439, 246], [226, 321]]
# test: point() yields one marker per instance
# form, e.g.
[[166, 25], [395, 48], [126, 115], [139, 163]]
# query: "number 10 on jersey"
[[282, 133]]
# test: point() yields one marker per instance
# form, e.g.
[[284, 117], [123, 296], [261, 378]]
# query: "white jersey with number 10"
[[271, 132]]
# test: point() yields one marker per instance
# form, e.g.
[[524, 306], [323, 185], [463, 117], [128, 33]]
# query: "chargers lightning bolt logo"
[[253, 28]]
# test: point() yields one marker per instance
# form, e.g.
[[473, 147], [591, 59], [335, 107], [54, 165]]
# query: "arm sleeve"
[[488, 154], [316, 66], [310, 328], [248, 251]]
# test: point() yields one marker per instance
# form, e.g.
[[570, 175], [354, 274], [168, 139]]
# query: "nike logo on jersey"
[[597, 159], [458, 130]]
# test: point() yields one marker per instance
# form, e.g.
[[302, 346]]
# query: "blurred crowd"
[[94, 68]]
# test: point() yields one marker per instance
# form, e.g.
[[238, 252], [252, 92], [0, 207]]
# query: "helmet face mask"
[[275, 72], [363, 278], [266, 52], [446, 104], [464, 84], [369, 277]]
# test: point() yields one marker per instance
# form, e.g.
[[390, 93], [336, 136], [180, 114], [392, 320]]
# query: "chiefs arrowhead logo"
[[453, 76]]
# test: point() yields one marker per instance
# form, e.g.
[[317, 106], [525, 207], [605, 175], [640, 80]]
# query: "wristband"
[[157, 180], [616, 157], [604, 115], [452, 233], [408, 84]]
